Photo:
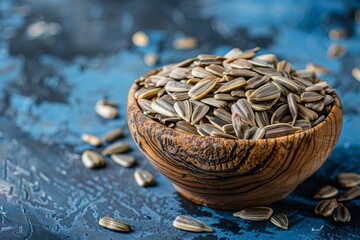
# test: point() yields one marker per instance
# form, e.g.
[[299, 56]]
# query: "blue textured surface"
[[49, 84]]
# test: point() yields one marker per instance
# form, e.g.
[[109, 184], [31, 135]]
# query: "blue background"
[[49, 84]]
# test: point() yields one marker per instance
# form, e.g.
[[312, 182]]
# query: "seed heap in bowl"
[[239, 96]]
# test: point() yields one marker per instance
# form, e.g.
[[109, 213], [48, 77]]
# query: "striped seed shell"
[[342, 214], [163, 107], [241, 73], [190, 224], [238, 93], [291, 99], [217, 122], [255, 213], [280, 220], [239, 125], [240, 63], [303, 123], [200, 72], [233, 53], [311, 97], [307, 113], [184, 110], [256, 82], [245, 111], [350, 194], [280, 129], [326, 192], [262, 119], [225, 97], [91, 139], [218, 134], [280, 113], [185, 127], [105, 110], [199, 112], [113, 135], [202, 88], [146, 93], [223, 114], [215, 69], [326, 207], [214, 102], [348, 179], [114, 224], [265, 93], [118, 147], [232, 85], [228, 129], [287, 83], [180, 73], [175, 86]]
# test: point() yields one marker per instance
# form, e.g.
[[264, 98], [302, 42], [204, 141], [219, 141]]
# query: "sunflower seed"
[[269, 58], [175, 86], [140, 39], [163, 107], [92, 159], [214, 102], [228, 129], [307, 113], [217, 122], [310, 97], [326, 192], [303, 123], [241, 73], [318, 121], [146, 93], [241, 63], [239, 125], [335, 51], [280, 220], [190, 224], [262, 119], [225, 97], [119, 147], [202, 88], [283, 66], [256, 82], [260, 63], [348, 179], [114, 224], [223, 114], [264, 93], [185, 127], [200, 72], [91, 139], [319, 70], [180, 73], [280, 113], [255, 213], [238, 93], [113, 135], [123, 160], [263, 106], [287, 83], [235, 52], [350, 194], [280, 129], [185, 43], [208, 128], [326, 207], [342, 214], [355, 72], [199, 112], [184, 110], [144, 178], [291, 99], [105, 110], [243, 108], [215, 69], [231, 85]]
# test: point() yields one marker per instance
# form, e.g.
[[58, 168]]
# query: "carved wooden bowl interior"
[[233, 174]]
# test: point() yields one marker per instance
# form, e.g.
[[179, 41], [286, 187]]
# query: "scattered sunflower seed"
[[280, 220], [348, 179], [336, 51], [113, 135], [151, 59], [350, 194], [92, 159], [124, 160], [114, 225], [143, 178], [356, 73], [140, 39], [91, 139], [255, 213], [326, 207], [119, 147], [185, 43], [337, 33], [342, 214], [326, 192], [190, 224], [106, 110]]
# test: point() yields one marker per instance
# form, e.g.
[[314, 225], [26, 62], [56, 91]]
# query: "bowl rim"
[[336, 105]]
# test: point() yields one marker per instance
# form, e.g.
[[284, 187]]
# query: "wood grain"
[[233, 174]]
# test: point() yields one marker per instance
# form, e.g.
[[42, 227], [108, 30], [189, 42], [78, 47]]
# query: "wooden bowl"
[[233, 174]]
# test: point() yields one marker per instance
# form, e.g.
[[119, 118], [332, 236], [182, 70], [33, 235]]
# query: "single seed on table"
[[185, 43], [280, 220], [350, 194], [355, 72], [337, 33], [348, 179], [184, 110], [326, 207], [140, 39], [105, 110], [119, 147], [326, 192], [190, 224], [114, 224], [335, 51], [151, 59], [342, 214], [92, 159], [91, 139], [124, 160], [113, 135], [199, 112], [319, 70], [255, 213], [143, 178], [201, 89]]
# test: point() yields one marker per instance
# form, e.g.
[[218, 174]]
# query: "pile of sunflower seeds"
[[237, 96], [331, 206]]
